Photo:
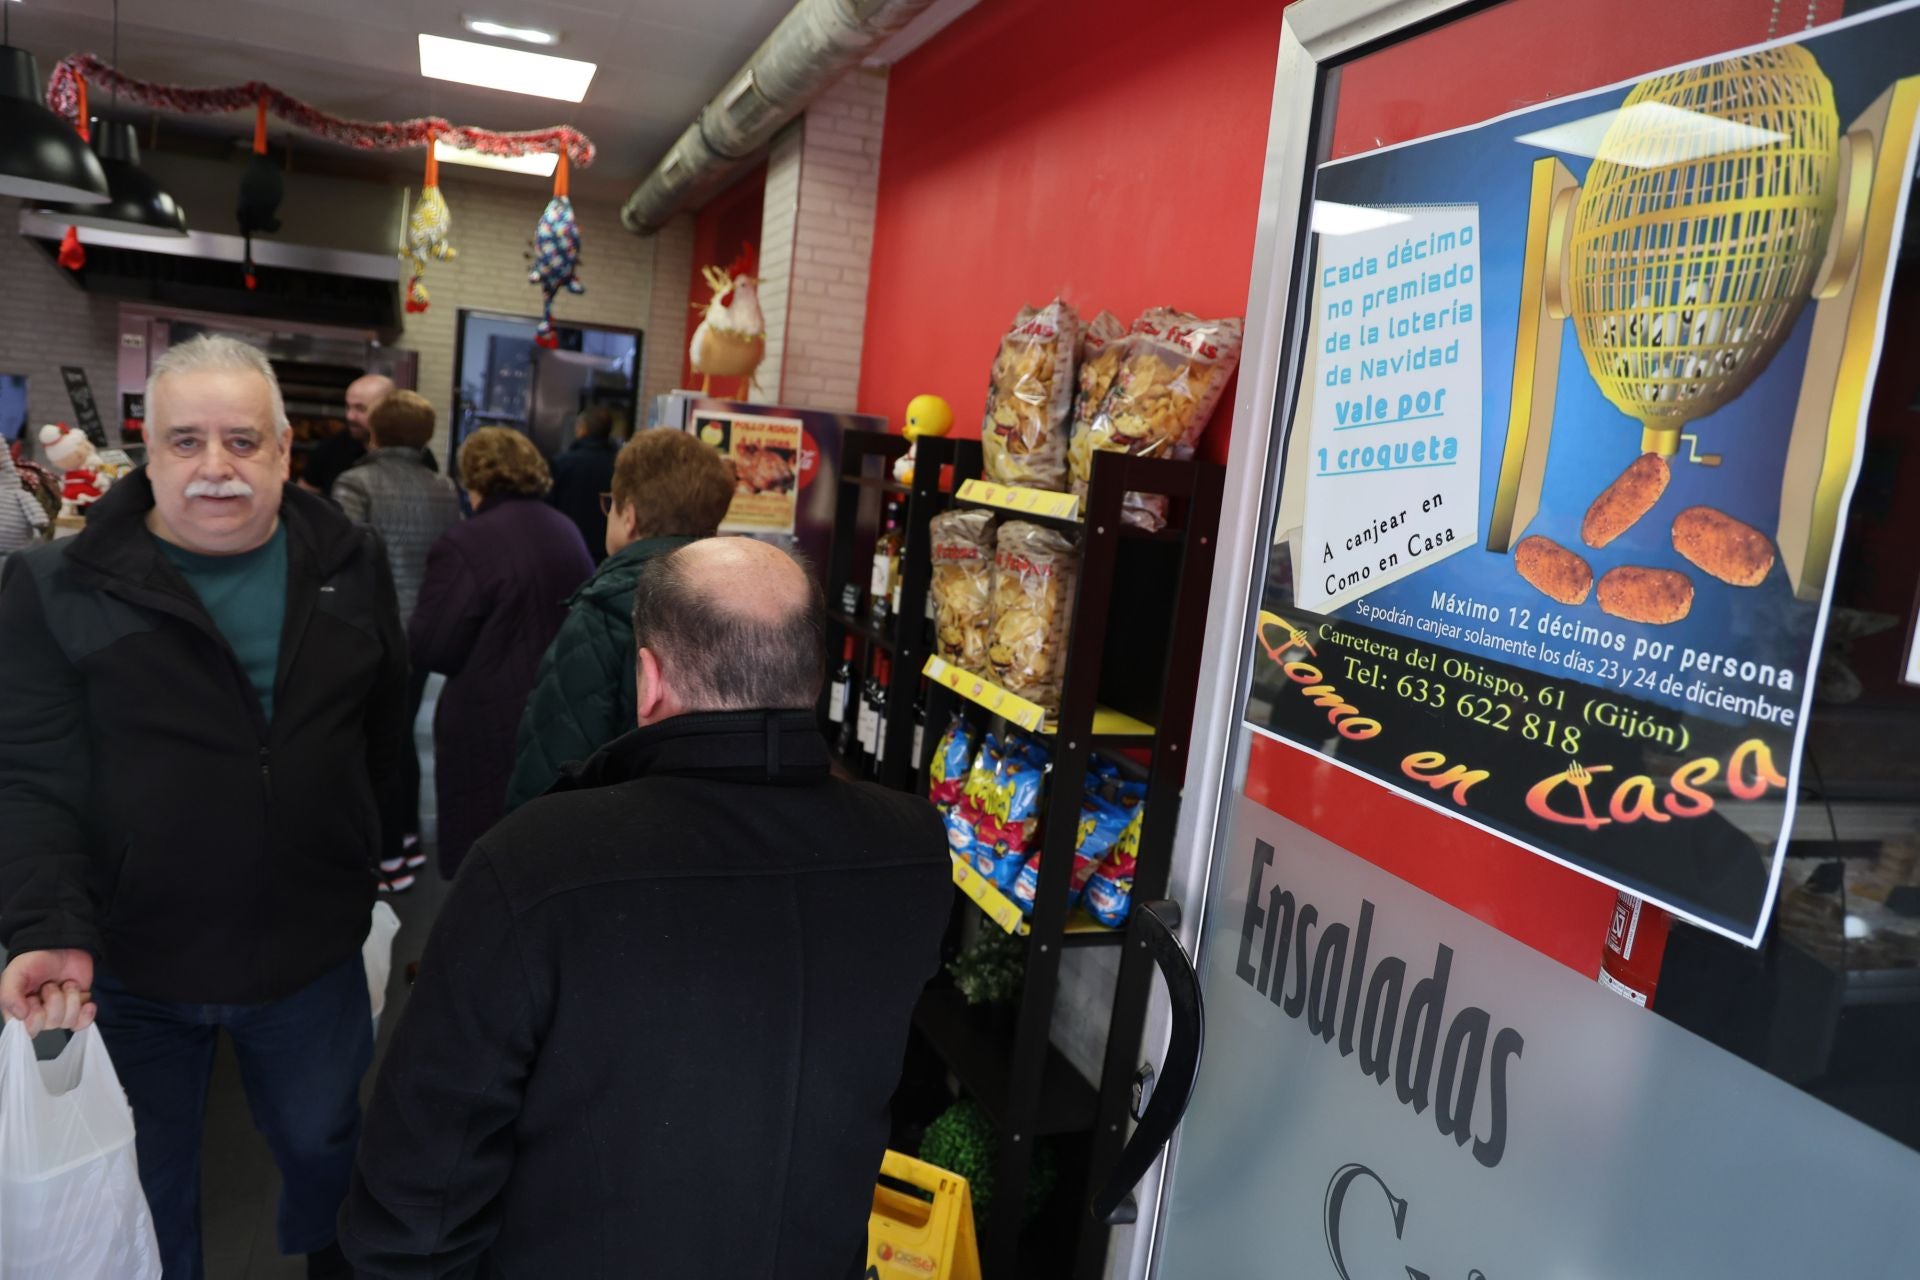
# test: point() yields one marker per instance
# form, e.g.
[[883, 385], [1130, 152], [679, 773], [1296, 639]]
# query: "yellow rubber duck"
[[927, 415]]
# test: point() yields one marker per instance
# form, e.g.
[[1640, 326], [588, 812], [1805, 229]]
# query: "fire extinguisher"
[[1636, 943]]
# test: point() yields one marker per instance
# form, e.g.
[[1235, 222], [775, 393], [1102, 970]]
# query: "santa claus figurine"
[[71, 453]]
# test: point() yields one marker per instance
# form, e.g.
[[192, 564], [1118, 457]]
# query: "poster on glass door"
[[1580, 414]]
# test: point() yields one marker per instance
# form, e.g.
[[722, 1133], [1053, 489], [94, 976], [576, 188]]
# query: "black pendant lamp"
[[136, 203], [41, 157]]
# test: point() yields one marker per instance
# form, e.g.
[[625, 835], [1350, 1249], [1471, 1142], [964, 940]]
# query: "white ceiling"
[[660, 60]]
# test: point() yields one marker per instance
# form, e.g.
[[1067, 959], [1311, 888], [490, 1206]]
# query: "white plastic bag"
[[70, 1199], [377, 950]]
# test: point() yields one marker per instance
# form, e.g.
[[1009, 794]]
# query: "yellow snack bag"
[[1023, 437], [1173, 368]]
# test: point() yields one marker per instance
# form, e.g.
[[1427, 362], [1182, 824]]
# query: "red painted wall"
[[727, 221], [1110, 152]]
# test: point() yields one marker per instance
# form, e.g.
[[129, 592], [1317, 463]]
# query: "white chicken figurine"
[[732, 337]]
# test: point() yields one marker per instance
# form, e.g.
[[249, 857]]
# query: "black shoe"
[[329, 1264]]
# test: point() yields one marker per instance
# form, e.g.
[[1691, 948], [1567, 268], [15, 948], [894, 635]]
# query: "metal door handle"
[[1152, 926]]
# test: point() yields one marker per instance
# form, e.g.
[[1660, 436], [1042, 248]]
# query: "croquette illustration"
[[1642, 594], [1622, 503], [1553, 570], [1731, 550]]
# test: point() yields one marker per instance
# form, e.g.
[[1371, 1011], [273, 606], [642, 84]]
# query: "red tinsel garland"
[[64, 97]]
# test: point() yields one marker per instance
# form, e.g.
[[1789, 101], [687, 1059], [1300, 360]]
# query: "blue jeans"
[[301, 1061]]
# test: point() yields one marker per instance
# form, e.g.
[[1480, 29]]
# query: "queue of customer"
[[206, 769]]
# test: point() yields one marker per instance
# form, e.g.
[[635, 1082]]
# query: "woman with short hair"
[[668, 489], [494, 595]]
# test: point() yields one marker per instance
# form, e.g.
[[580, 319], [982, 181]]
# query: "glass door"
[[1575, 618]]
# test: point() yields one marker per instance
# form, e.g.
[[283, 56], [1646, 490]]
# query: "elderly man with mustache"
[[202, 749]]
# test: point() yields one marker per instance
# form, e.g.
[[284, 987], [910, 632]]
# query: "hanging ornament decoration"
[[427, 232], [73, 255], [261, 189], [556, 254], [260, 194], [361, 135]]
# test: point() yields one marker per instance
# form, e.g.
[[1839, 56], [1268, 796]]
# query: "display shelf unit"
[[1133, 652], [866, 481]]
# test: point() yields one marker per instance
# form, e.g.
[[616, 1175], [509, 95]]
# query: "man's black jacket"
[[149, 813], [659, 1021]]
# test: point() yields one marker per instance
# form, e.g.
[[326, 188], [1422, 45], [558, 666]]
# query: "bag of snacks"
[[1099, 361], [1010, 825], [951, 760], [1109, 893], [1173, 369], [962, 586], [1033, 576], [1101, 822], [1023, 437]]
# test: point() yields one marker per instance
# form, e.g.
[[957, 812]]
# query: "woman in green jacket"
[[668, 489]]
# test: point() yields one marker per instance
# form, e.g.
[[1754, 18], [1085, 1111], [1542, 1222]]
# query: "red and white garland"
[[65, 97]]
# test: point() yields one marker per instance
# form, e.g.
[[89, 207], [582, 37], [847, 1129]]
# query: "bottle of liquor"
[[886, 564], [919, 758], [869, 722], [851, 735], [877, 697], [838, 692]]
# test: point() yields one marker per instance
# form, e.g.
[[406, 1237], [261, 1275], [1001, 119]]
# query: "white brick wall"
[[779, 213], [817, 241], [47, 321], [672, 257]]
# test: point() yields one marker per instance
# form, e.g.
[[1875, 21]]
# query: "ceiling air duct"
[[814, 45]]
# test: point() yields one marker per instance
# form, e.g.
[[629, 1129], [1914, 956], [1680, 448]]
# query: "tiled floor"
[[239, 1184]]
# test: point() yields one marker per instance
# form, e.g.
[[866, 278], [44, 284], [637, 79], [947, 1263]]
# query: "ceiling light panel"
[[488, 66]]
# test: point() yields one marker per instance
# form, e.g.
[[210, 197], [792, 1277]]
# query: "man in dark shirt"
[[335, 453], [583, 473], [681, 979], [201, 760]]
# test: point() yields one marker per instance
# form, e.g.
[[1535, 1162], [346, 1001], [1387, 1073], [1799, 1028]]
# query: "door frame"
[[1314, 36]]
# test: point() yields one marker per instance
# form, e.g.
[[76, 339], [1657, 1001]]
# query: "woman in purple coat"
[[494, 594]]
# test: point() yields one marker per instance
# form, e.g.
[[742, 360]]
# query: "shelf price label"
[[996, 905], [1028, 715], [1038, 502]]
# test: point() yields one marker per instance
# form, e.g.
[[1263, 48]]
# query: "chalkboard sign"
[[86, 413]]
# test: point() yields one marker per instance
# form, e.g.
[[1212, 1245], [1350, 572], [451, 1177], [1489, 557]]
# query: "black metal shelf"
[[861, 628], [1006, 1059], [978, 1047], [880, 483]]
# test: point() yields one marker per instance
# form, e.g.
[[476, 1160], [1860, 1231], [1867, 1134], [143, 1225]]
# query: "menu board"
[[1580, 412]]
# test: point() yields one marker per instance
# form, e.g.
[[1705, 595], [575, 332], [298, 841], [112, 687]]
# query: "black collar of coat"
[[115, 543], [783, 748]]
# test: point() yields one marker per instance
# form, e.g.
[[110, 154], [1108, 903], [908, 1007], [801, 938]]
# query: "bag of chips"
[[962, 586], [1173, 368], [1010, 827], [1023, 436], [1101, 823], [952, 757], [1033, 576], [1099, 361], [1109, 894]]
